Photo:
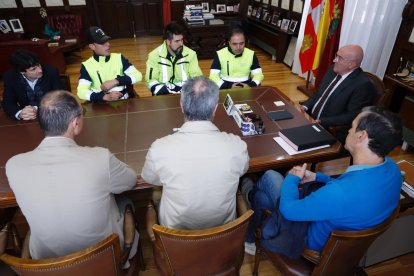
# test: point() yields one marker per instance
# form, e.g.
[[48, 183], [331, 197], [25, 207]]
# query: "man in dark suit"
[[26, 83], [343, 92]]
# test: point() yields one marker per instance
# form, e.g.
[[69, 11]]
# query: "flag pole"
[[307, 89]]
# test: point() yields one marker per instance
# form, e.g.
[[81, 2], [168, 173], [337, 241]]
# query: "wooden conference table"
[[128, 128]]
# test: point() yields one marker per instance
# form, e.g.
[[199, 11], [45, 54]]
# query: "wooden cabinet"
[[402, 56], [120, 18], [272, 23]]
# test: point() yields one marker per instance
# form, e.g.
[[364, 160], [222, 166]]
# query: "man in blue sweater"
[[364, 196]]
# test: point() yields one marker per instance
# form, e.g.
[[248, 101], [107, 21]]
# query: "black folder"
[[307, 136], [280, 115]]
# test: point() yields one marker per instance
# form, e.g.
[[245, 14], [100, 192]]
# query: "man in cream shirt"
[[198, 167]]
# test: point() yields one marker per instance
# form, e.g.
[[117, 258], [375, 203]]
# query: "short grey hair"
[[56, 110], [199, 97]]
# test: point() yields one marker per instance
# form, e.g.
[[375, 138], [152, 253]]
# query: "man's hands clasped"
[[304, 174]]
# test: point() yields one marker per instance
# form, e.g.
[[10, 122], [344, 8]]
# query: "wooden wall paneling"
[[155, 15], [138, 13]]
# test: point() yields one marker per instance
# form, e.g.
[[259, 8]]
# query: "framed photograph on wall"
[[292, 26], [285, 24], [206, 7], [4, 27], [16, 25], [221, 8]]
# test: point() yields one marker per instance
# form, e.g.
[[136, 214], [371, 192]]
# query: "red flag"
[[310, 42], [332, 40]]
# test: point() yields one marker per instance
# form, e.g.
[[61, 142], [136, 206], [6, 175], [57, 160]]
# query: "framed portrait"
[[279, 23], [206, 7], [4, 27], [275, 18], [285, 24], [249, 10], [265, 16], [16, 25], [259, 13], [292, 25], [230, 8], [221, 8], [254, 11]]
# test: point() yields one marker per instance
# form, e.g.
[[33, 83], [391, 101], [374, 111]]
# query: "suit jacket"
[[199, 168], [15, 96], [65, 191], [347, 100]]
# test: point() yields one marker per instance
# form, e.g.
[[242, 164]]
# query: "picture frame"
[[249, 10], [254, 11], [206, 7], [265, 16], [236, 8], [221, 8], [279, 23], [229, 8], [259, 13], [275, 18], [16, 25], [4, 26], [285, 24], [292, 25]]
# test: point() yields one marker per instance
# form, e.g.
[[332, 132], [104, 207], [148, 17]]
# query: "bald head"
[[348, 58], [56, 111], [199, 97], [354, 53]]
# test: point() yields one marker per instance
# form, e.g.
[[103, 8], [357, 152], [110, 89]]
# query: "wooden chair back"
[[215, 251], [345, 249], [382, 94], [340, 256], [104, 259]]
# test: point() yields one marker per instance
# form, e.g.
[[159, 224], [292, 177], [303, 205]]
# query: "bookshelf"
[[273, 23]]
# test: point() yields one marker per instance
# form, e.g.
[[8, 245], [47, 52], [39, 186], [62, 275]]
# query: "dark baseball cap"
[[97, 35]]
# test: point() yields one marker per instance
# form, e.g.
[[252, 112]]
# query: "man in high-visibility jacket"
[[236, 66], [105, 76], [171, 64]]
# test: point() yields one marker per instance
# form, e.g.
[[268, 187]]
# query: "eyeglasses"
[[341, 59]]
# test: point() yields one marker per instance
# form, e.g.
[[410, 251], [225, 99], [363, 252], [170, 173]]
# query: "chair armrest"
[[129, 232], [241, 204], [10, 230], [151, 219], [311, 255]]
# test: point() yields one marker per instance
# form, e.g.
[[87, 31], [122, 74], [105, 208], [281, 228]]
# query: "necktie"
[[317, 108]]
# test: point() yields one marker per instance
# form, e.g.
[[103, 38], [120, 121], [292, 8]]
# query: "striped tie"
[[317, 108]]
